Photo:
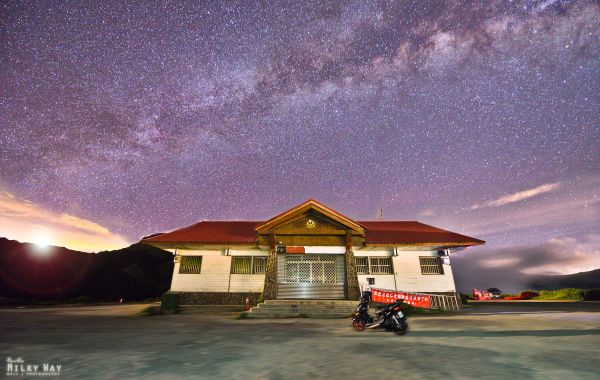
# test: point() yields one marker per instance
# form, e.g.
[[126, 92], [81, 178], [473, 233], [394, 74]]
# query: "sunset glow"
[[29, 222]]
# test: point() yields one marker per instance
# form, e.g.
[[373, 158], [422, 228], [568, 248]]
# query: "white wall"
[[382, 281], [215, 274], [216, 267], [407, 273], [213, 277], [407, 270], [247, 283]]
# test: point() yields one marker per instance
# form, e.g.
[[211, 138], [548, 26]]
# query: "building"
[[309, 251]]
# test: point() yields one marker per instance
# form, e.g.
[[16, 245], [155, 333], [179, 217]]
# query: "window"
[[190, 264], [259, 265], [374, 265], [248, 265], [381, 265], [241, 265], [362, 265], [431, 265]]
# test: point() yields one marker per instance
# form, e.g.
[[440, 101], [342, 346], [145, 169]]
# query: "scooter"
[[390, 317]]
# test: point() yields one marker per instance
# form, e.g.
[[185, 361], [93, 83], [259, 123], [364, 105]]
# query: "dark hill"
[[581, 280], [28, 273]]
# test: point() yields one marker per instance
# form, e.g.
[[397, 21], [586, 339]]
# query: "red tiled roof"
[[210, 232], [412, 232], [240, 232]]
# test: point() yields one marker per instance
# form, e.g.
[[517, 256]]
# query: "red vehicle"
[[489, 294], [481, 295]]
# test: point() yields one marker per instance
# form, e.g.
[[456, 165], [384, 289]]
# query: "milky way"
[[144, 117]]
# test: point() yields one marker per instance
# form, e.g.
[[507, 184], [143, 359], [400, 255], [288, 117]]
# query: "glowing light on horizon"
[[42, 240]]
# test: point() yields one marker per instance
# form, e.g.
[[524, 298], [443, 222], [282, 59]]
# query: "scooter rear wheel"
[[358, 325]]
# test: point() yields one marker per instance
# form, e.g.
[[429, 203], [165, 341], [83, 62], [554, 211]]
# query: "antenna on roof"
[[380, 215]]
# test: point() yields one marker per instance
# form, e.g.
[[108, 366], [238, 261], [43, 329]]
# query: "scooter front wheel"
[[358, 324], [401, 330]]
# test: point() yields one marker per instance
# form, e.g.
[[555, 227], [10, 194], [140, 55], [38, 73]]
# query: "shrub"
[[561, 294], [592, 295], [528, 294], [464, 298], [170, 301]]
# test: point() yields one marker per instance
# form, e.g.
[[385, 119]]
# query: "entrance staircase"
[[303, 309]]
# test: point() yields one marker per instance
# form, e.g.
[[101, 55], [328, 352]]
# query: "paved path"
[[483, 342]]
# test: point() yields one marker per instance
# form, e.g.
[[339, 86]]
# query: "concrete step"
[[308, 305], [303, 308], [303, 312], [276, 306], [269, 315], [310, 302]]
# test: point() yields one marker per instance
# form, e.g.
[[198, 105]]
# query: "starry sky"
[[122, 119]]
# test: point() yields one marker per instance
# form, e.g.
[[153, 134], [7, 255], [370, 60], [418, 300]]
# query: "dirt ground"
[[535, 341]]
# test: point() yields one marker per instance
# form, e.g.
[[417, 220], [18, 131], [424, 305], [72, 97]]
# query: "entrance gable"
[[310, 217], [310, 223]]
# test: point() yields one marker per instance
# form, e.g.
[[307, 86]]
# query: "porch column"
[[352, 287], [270, 289]]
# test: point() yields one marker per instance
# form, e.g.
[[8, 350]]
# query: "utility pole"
[[380, 215]]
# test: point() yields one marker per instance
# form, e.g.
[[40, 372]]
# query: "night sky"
[[121, 120]]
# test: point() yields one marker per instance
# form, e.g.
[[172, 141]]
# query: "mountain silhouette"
[[32, 273]]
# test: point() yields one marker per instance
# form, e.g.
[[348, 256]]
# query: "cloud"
[[427, 212], [512, 269], [518, 196], [26, 221]]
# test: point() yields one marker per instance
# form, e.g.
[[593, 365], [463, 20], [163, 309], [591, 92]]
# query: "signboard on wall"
[[290, 249]]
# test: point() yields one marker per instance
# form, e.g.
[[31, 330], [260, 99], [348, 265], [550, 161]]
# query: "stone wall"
[[270, 288], [217, 298], [352, 286]]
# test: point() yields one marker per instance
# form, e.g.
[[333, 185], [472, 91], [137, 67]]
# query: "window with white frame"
[[431, 265], [380, 265], [362, 265], [190, 264], [374, 265], [259, 264]]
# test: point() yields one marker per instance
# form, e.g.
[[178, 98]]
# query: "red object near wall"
[[481, 295], [389, 296]]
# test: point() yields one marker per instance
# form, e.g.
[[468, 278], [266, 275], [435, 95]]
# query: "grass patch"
[[242, 315], [570, 294], [565, 294]]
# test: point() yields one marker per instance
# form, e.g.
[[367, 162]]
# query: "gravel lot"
[[540, 341]]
